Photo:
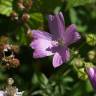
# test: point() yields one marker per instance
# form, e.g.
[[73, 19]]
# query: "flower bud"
[[10, 81], [91, 55], [25, 17], [88, 64], [14, 16], [78, 62], [81, 74], [91, 39], [91, 71], [20, 5]]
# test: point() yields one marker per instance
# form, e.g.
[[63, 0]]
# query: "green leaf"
[[5, 7], [88, 86], [74, 3], [37, 16], [43, 79], [73, 16], [75, 19], [39, 79], [36, 20], [46, 6], [68, 79], [21, 36]]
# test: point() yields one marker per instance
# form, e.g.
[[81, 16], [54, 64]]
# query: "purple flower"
[[56, 43], [92, 76]]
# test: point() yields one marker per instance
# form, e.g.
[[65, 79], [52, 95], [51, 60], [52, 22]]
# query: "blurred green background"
[[37, 77]]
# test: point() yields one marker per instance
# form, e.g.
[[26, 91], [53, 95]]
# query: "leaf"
[[74, 3], [68, 79], [37, 16], [5, 7], [45, 6], [88, 86], [21, 36], [76, 20], [36, 20], [73, 16], [39, 79], [43, 79]]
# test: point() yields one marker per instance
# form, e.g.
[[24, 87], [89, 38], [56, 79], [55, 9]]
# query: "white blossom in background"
[[2, 93], [18, 93], [11, 90]]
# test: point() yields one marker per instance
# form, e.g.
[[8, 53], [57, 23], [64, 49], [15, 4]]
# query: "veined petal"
[[41, 53], [41, 44], [60, 57], [40, 47], [76, 37], [92, 76], [41, 34], [71, 35], [56, 25]]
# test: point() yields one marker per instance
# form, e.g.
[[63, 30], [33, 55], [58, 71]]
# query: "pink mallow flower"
[[56, 43]]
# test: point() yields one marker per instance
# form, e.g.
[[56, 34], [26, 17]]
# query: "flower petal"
[[41, 34], [60, 57], [71, 35], [76, 37], [41, 53], [40, 44], [56, 25], [41, 48]]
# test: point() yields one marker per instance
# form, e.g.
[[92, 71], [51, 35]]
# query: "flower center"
[[58, 42], [61, 42], [55, 43]]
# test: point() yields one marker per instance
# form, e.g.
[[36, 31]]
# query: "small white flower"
[[18, 93], [2, 93]]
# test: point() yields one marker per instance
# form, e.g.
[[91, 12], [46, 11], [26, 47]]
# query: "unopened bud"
[[14, 16], [78, 62], [91, 39], [88, 64], [91, 72], [10, 81], [20, 5], [25, 17], [82, 74], [92, 54]]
